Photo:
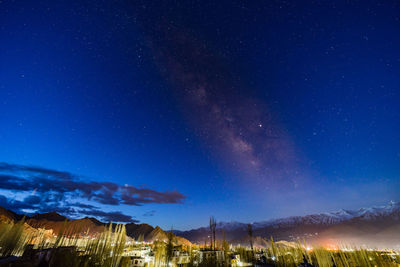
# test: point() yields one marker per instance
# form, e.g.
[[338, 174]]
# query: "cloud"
[[15, 205], [149, 213], [114, 216], [52, 190], [71, 210]]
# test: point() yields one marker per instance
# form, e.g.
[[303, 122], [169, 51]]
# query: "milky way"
[[237, 128], [269, 108]]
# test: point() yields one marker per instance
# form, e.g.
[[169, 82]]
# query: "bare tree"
[[250, 233], [213, 227], [170, 246], [225, 248]]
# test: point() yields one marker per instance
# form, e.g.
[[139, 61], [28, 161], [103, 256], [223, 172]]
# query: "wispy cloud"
[[149, 213], [51, 190]]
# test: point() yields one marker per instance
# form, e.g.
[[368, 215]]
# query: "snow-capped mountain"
[[334, 217], [344, 223], [231, 225]]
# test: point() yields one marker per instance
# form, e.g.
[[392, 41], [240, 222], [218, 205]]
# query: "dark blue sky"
[[242, 110]]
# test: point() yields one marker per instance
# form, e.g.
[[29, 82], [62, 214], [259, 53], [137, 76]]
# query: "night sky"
[[167, 112]]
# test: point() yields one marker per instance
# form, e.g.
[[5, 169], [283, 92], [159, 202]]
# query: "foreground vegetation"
[[104, 250], [293, 256], [109, 247]]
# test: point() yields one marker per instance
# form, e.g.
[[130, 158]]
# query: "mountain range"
[[376, 227], [57, 223]]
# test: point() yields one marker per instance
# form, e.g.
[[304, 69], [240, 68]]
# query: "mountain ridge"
[[317, 218], [58, 223], [375, 225], [379, 225]]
